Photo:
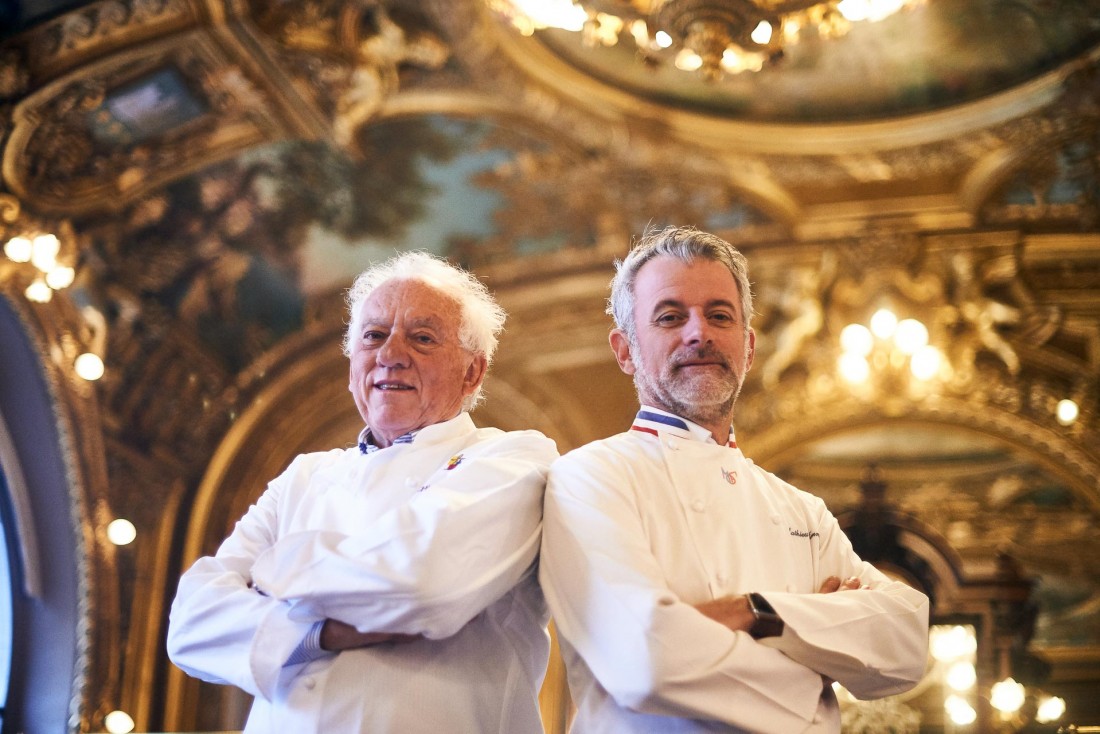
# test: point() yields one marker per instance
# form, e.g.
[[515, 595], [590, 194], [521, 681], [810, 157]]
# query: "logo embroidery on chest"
[[454, 461], [729, 476]]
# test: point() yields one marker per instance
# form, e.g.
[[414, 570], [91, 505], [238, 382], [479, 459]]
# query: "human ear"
[[620, 345], [475, 373], [750, 348]]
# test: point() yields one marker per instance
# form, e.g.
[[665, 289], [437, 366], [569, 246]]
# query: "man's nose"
[[696, 329], [393, 352]]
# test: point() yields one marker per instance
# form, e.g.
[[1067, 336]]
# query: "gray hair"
[[685, 244], [481, 318]]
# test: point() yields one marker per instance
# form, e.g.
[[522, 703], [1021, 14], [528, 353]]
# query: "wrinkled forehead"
[[696, 281], [410, 301]]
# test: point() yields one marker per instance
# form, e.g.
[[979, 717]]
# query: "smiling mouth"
[[391, 386]]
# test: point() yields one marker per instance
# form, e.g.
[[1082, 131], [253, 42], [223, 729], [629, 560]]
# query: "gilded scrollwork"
[[14, 77], [999, 339], [58, 156], [346, 57], [101, 27]]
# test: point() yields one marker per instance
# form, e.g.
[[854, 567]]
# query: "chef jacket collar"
[[368, 446], [654, 420]]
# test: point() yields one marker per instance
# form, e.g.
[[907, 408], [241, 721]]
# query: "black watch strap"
[[767, 623]]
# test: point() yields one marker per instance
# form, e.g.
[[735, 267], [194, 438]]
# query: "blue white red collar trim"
[[655, 421], [368, 446]]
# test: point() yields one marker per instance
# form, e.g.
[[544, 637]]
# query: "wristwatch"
[[768, 623]]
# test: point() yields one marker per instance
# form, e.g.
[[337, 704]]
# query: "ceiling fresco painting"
[[235, 249]]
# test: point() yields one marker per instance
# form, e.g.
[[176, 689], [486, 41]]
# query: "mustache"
[[707, 353]]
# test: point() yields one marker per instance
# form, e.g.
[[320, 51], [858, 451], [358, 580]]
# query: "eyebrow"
[[673, 303], [431, 322]]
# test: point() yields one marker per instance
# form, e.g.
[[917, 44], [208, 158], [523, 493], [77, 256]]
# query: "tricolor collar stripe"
[[656, 423], [367, 446], [668, 420]]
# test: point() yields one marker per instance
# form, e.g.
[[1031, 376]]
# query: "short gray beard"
[[694, 411]]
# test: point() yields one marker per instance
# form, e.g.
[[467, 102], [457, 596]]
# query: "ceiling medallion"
[[711, 37]]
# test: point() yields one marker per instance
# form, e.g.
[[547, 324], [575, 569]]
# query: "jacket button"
[[776, 519], [698, 505], [310, 683], [410, 482]]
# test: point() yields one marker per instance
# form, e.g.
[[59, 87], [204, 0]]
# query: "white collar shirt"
[[641, 526], [436, 536]]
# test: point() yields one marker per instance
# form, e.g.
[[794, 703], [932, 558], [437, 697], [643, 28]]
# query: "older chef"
[[389, 587], [685, 581]]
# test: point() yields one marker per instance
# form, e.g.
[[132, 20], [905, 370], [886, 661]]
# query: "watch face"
[[768, 623]]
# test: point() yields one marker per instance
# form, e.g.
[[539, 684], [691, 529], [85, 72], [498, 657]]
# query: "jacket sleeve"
[[650, 650], [429, 566], [873, 641], [220, 628]]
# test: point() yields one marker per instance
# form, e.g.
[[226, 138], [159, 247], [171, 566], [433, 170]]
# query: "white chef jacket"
[[639, 527], [437, 537]]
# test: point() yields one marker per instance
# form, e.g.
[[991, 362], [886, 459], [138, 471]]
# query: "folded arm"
[[224, 631], [873, 640], [429, 566], [650, 650]]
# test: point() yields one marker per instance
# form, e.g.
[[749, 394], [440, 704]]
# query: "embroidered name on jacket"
[[811, 534]]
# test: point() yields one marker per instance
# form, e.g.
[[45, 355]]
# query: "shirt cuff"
[[309, 648]]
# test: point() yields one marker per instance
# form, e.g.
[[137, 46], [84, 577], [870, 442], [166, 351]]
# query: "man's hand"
[[833, 583], [730, 611], [337, 636], [734, 612]]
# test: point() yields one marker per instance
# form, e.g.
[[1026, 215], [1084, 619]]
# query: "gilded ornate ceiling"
[[933, 56], [225, 167]]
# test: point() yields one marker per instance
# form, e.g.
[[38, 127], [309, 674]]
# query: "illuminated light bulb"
[[118, 722], [553, 13], [89, 366], [925, 363], [961, 712], [688, 60], [961, 676], [60, 277], [38, 291], [954, 643], [883, 323], [856, 339], [1007, 696], [1050, 709], [733, 62], [762, 33], [910, 336], [792, 27], [1066, 412], [854, 10], [121, 532], [18, 249], [663, 39], [44, 249], [853, 368]]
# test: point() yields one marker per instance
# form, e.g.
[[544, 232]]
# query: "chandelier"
[[711, 37]]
